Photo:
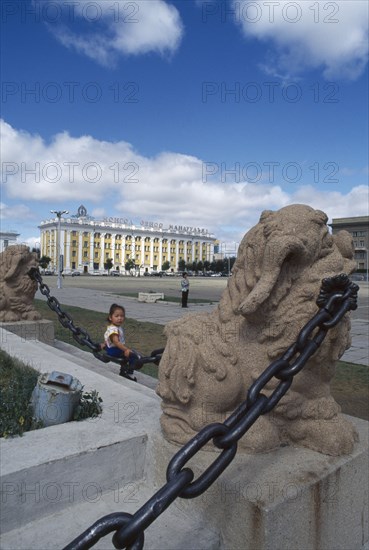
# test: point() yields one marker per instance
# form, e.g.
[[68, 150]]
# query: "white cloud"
[[333, 203], [328, 35], [32, 242], [170, 188], [15, 212], [105, 30]]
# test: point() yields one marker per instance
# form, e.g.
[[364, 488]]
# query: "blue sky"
[[199, 113]]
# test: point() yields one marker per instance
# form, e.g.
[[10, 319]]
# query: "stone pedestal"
[[41, 330], [150, 297], [289, 499]]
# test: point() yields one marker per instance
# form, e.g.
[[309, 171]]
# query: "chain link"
[[337, 296], [82, 337]]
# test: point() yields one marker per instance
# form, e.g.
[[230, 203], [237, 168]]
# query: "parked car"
[[48, 272], [114, 273], [75, 273]]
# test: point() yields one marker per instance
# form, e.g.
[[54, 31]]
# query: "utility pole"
[[59, 214]]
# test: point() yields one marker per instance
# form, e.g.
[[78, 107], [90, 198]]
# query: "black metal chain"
[[337, 296], [81, 336]]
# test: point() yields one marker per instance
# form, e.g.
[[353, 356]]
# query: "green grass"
[[143, 336], [17, 382], [350, 386], [351, 372]]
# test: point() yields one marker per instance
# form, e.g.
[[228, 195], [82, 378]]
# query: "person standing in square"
[[185, 287]]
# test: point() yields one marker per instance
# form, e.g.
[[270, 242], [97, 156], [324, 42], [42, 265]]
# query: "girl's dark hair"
[[113, 308]]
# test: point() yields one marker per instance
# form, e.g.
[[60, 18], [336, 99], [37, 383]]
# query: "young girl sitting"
[[114, 336]]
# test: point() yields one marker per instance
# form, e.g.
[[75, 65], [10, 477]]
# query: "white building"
[[7, 238], [86, 243]]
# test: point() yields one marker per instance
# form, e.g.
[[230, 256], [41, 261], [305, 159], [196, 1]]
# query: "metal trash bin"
[[55, 397]]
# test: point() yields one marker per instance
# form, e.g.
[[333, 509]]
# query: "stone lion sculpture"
[[211, 359], [17, 289]]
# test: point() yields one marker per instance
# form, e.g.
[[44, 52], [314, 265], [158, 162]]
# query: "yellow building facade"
[[86, 244]]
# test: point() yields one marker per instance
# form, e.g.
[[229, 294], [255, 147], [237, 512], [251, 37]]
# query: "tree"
[[199, 266], [44, 261], [130, 264], [219, 266], [181, 265], [165, 266], [108, 264]]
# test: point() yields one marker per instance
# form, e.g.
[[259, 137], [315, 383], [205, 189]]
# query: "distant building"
[[7, 238], [86, 243], [359, 229]]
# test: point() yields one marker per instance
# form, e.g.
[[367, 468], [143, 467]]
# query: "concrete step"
[[49, 469], [57, 530], [110, 370], [64, 474]]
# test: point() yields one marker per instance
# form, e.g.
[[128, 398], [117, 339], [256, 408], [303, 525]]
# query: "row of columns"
[[66, 246]]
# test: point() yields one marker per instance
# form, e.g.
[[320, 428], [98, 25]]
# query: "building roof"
[[10, 233], [351, 221]]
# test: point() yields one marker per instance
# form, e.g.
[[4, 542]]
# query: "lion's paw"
[[334, 437]]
